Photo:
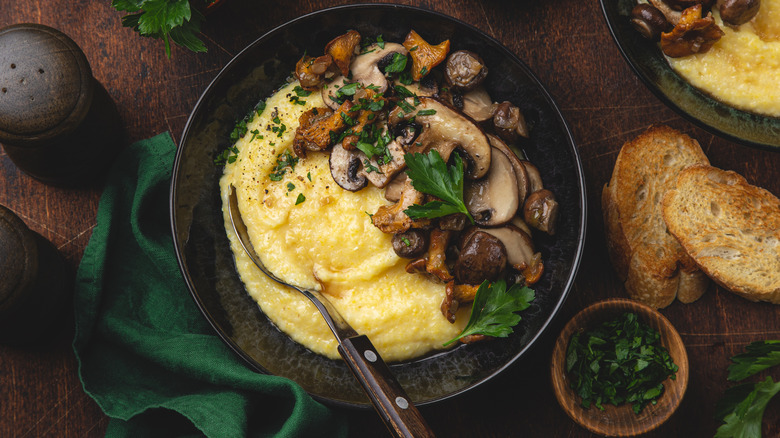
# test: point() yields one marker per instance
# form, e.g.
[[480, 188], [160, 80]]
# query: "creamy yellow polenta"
[[311, 232], [743, 68]]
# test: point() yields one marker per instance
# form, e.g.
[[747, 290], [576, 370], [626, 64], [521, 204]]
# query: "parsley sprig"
[[167, 20], [493, 312], [431, 175], [742, 407]]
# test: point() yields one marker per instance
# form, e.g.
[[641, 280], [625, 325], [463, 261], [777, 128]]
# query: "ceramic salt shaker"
[[36, 283], [57, 123]]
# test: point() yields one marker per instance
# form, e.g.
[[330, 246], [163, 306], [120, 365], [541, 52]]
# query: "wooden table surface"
[[565, 42]]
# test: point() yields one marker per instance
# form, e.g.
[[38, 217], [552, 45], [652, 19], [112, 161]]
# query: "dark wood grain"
[[565, 42]]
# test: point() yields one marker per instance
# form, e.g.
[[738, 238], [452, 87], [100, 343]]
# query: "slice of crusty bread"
[[730, 228], [650, 261]]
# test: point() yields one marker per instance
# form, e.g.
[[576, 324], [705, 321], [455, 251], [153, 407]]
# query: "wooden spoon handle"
[[390, 400]]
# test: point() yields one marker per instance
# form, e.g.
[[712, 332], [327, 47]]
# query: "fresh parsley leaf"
[[742, 408], [283, 161], [164, 19], [758, 357], [300, 199], [493, 310], [347, 90], [431, 175], [397, 64]]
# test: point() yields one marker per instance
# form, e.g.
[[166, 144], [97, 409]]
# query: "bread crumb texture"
[[653, 265], [730, 228]]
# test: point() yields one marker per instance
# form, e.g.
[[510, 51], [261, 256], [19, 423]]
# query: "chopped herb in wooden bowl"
[[619, 361], [625, 358]]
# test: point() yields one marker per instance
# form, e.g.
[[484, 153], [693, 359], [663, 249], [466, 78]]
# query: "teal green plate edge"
[[648, 63]]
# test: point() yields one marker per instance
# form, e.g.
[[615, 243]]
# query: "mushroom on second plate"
[[738, 12], [441, 125], [692, 34], [493, 200], [649, 21]]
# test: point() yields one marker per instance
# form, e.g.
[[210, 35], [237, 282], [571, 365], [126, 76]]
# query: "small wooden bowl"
[[620, 421]]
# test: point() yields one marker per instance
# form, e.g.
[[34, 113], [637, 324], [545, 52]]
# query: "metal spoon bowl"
[[380, 385]]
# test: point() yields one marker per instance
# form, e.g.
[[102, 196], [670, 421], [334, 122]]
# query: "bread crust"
[[730, 228], [654, 267]]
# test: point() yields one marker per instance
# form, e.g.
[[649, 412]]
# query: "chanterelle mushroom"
[[391, 218], [443, 125], [692, 34]]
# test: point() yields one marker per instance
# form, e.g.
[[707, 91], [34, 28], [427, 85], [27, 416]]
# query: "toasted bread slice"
[[650, 261], [731, 229]]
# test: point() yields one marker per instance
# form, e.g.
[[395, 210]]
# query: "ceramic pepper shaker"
[[35, 282], [57, 123]]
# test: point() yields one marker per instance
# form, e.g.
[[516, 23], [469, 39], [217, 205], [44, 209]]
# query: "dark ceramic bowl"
[[646, 59], [202, 246]]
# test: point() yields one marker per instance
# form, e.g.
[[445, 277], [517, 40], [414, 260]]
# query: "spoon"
[[388, 397]]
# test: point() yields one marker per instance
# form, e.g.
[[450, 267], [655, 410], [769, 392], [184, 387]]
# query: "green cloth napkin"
[[145, 352]]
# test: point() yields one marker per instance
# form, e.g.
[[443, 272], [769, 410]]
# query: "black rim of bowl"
[[196, 226], [647, 61]]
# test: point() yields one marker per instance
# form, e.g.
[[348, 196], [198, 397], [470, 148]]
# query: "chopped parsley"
[[619, 361], [397, 64], [300, 199], [283, 161]]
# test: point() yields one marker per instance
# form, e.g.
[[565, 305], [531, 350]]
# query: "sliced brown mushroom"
[[381, 174], [520, 251], [454, 222], [445, 125], [465, 70], [365, 70], [523, 181], [541, 211], [410, 244], [478, 105], [509, 122], [482, 257], [493, 200], [394, 188], [534, 177], [345, 168]]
